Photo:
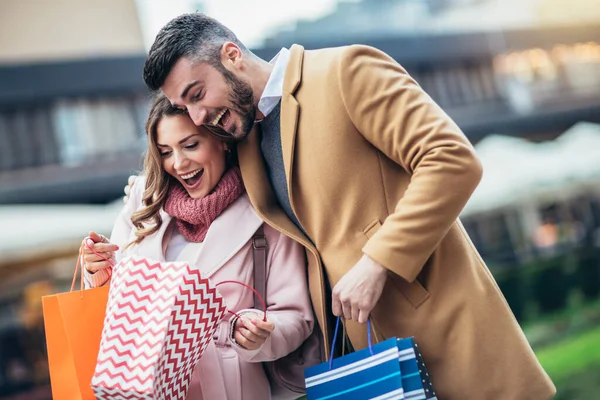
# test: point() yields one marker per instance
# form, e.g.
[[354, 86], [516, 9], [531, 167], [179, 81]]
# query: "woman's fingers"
[[88, 258], [256, 330], [243, 341], [98, 238], [99, 248], [96, 266], [243, 328], [98, 253], [251, 334]]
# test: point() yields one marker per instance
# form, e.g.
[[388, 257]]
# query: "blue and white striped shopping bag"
[[371, 373], [415, 378], [390, 370]]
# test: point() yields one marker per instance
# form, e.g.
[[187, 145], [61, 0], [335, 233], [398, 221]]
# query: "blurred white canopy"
[[516, 170], [33, 231]]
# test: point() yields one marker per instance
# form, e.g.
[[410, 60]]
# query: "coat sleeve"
[[288, 302], [397, 117], [120, 234]]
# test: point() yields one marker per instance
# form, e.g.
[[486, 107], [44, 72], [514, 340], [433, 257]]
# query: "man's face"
[[213, 97]]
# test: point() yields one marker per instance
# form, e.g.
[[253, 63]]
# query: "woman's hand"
[[251, 332], [92, 262]]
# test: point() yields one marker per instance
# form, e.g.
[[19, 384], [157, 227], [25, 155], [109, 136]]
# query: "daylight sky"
[[251, 20]]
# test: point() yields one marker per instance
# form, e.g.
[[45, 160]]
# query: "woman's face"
[[190, 154]]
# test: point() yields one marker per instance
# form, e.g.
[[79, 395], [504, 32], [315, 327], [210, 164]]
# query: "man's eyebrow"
[[187, 88]]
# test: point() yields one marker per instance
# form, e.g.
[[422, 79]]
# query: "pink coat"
[[227, 371]]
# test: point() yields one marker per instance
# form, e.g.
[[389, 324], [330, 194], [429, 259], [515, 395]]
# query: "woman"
[[194, 209]]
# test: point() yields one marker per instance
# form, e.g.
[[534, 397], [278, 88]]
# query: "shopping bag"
[[73, 324], [371, 373], [416, 381], [159, 319], [392, 369]]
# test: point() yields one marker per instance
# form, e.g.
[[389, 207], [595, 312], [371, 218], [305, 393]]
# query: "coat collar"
[[259, 190], [226, 236], [293, 74], [290, 111]]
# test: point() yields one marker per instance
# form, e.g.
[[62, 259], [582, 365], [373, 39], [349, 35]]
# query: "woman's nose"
[[180, 161]]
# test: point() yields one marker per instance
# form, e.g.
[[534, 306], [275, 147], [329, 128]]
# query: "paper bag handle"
[[337, 327], [84, 243], [262, 301]]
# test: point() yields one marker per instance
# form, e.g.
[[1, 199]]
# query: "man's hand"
[[127, 190], [251, 332], [356, 294]]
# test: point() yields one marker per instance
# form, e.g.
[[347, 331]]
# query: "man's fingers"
[[336, 304], [127, 189], [355, 312], [336, 307], [363, 316], [347, 310]]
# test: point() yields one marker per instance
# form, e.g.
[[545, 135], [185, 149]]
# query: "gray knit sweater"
[[273, 154]]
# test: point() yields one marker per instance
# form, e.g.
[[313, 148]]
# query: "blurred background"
[[520, 77]]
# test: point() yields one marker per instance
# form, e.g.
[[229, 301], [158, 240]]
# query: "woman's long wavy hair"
[[147, 220]]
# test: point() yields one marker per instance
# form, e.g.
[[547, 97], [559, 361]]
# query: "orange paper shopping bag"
[[73, 323]]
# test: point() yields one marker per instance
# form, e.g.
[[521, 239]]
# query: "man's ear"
[[231, 55]]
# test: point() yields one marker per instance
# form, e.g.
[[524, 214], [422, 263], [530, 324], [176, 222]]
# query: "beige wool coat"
[[374, 166]]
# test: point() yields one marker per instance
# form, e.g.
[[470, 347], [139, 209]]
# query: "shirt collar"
[[274, 87]]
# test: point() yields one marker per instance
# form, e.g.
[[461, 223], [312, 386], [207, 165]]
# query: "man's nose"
[[198, 115]]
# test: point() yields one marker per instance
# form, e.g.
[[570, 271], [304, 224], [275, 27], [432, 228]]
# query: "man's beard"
[[241, 98]]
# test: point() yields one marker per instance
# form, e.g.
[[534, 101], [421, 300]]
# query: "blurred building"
[[34, 31], [72, 107], [72, 99]]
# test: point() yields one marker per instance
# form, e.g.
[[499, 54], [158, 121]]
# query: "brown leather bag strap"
[[259, 251]]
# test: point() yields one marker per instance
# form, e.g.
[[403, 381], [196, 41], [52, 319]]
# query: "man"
[[341, 150]]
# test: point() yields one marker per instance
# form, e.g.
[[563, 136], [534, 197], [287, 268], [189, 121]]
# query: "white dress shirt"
[[274, 87]]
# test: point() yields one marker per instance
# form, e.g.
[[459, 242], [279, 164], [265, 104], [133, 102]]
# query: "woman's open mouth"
[[192, 180]]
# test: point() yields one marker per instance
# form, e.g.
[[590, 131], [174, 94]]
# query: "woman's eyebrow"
[[181, 141]]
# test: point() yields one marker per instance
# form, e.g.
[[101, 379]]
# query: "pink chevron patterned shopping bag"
[[159, 319]]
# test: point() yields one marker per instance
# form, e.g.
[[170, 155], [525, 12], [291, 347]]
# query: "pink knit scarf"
[[194, 216]]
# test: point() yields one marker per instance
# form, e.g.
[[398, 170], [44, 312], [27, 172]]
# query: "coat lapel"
[[226, 236], [290, 110], [259, 190]]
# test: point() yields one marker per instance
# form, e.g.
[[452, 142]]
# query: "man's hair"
[[195, 36]]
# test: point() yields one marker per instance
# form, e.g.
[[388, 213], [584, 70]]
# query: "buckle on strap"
[[259, 242]]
